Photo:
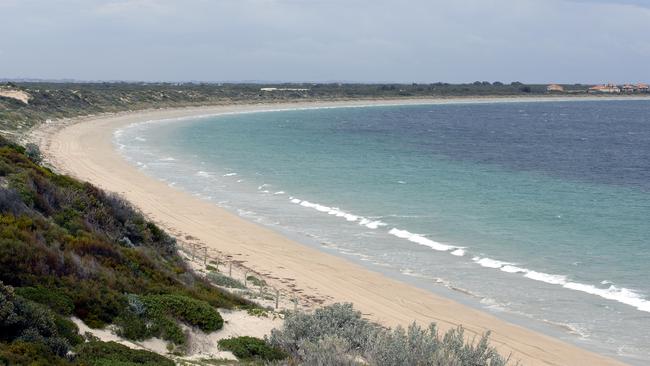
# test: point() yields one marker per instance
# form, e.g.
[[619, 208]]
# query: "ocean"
[[537, 212]]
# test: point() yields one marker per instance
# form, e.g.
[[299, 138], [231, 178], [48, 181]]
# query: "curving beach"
[[83, 148]]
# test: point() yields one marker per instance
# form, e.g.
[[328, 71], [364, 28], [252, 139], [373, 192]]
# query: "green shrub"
[[256, 281], [27, 321], [158, 316], [168, 329], [29, 353], [55, 299], [114, 354], [337, 334], [212, 268], [225, 281], [68, 330], [339, 320], [97, 304], [133, 327], [191, 311], [252, 348]]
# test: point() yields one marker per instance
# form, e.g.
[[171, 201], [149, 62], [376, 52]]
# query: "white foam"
[[622, 295], [458, 252], [489, 262], [168, 159], [375, 224], [512, 269], [278, 193], [138, 138], [203, 174], [230, 175], [545, 277], [316, 206], [337, 212], [419, 239]]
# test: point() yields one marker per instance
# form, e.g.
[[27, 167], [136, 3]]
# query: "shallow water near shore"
[[534, 211]]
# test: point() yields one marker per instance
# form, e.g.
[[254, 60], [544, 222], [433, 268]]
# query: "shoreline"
[[83, 148]]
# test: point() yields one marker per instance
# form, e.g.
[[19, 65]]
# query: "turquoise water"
[[537, 212]]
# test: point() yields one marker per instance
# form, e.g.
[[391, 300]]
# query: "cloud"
[[641, 3], [356, 40], [132, 8]]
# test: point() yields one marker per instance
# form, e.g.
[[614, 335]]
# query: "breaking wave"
[[620, 294], [335, 211]]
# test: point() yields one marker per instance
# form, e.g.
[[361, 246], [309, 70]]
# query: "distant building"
[[628, 88], [282, 89], [642, 88], [555, 88], [605, 89]]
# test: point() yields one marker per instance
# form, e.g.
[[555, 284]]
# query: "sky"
[[533, 41]]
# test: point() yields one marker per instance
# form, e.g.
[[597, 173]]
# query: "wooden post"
[[246, 279], [230, 269], [205, 258], [277, 298]]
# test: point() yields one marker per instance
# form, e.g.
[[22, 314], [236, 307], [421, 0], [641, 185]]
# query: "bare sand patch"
[[15, 94]]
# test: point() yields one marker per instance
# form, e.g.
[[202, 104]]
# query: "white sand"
[[15, 94]]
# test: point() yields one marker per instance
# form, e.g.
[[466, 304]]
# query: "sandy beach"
[[83, 148]]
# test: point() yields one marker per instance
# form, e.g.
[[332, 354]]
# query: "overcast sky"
[[569, 41]]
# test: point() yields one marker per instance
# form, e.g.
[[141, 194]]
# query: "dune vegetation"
[[339, 335], [67, 249]]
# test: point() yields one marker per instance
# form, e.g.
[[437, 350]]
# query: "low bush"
[[338, 335], [68, 330], [340, 320], [256, 281], [29, 353], [26, 321], [212, 268], [225, 281], [158, 316], [188, 310], [246, 348], [55, 299], [114, 354]]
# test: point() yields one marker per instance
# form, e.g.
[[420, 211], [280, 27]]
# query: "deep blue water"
[[538, 210]]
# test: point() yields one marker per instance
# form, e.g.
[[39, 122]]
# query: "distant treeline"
[[52, 100]]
